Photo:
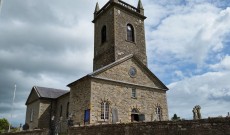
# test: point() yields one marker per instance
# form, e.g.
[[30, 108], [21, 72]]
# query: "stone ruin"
[[196, 112]]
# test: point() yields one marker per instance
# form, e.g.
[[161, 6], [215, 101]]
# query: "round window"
[[132, 71]]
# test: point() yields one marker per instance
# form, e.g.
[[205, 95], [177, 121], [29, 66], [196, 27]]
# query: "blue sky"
[[43, 43]]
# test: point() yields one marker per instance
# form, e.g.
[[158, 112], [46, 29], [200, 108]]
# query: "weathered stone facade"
[[104, 52], [119, 97], [44, 114], [115, 86], [61, 113], [33, 122], [43, 111], [115, 17], [80, 99]]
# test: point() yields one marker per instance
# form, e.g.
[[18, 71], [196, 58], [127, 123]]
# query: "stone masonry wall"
[[115, 18], [35, 132], [218, 126], [35, 106], [104, 52], [44, 114], [119, 97], [61, 118], [124, 16], [121, 73], [80, 100], [199, 127]]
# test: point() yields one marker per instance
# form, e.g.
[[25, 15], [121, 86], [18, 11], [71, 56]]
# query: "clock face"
[[132, 72]]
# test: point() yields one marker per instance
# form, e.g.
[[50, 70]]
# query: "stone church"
[[121, 88]]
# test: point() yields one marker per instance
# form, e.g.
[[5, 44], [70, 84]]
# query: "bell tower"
[[118, 32]]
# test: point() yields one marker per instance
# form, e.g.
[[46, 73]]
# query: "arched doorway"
[[134, 115]]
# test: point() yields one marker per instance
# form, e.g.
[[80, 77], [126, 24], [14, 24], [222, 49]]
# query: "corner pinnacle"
[[140, 6], [97, 8]]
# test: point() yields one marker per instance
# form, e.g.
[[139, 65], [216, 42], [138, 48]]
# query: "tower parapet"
[[119, 31]]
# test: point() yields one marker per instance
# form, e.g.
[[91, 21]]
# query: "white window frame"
[[134, 93], [105, 111], [158, 113]]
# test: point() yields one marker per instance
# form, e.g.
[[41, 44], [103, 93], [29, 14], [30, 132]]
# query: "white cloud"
[[224, 64], [211, 91], [179, 74], [190, 33]]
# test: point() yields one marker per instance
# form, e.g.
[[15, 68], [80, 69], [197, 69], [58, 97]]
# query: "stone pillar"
[[196, 112]]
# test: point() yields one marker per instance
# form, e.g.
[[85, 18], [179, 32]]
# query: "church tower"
[[118, 32]]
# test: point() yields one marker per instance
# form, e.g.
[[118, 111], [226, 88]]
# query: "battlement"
[[139, 9], [128, 6]]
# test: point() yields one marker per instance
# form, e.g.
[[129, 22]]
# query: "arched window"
[[130, 33], [158, 113], [67, 110], [103, 34], [105, 110], [61, 111]]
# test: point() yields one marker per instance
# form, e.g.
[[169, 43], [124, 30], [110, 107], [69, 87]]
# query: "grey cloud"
[[225, 98], [42, 43]]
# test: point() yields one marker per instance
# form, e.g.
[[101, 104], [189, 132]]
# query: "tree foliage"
[[175, 118], [4, 125]]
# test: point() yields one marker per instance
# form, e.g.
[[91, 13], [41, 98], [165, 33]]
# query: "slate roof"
[[52, 93], [47, 93]]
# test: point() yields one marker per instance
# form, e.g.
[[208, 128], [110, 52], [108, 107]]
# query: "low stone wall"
[[35, 132], [217, 126]]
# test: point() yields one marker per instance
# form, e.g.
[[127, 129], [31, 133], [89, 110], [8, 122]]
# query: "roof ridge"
[[51, 88]]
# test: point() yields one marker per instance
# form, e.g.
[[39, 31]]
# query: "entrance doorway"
[[134, 115]]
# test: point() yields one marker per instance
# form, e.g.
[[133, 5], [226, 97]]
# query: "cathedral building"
[[121, 88]]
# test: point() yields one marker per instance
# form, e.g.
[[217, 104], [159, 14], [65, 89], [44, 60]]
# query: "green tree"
[[4, 125], [175, 118]]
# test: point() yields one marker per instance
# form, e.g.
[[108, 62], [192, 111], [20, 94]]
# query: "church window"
[[158, 113], [61, 111], [31, 114], [103, 34], [134, 94], [67, 110], [132, 71], [105, 111], [130, 33]]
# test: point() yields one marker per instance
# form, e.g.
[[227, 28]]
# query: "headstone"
[[25, 127], [20, 127], [114, 115]]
